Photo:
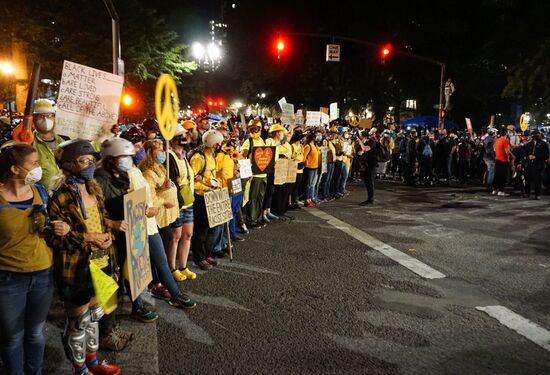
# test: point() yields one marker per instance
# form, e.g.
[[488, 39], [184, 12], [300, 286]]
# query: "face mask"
[[87, 174], [125, 164], [511, 134], [33, 176], [346, 136], [319, 138], [140, 155], [161, 157], [48, 124]]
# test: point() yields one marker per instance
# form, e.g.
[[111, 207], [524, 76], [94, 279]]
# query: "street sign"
[[333, 53]]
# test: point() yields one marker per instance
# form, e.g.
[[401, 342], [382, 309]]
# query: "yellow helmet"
[[222, 124], [188, 125], [254, 122], [333, 129]]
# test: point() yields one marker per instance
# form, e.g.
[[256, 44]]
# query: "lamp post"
[[207, 56]]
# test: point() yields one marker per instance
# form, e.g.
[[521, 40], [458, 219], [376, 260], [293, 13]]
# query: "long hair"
[[150, 162]]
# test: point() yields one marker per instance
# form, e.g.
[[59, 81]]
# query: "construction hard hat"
[[212, 138], [188, 125], [115, 147], [43, 106], [257, 123], [277, 127]]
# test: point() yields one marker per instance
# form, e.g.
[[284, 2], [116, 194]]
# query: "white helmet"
[[42, 106], [117, 147], [212, 138], [180, 130]]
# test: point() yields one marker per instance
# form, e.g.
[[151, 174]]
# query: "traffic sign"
[[167, 106], [333, 53]]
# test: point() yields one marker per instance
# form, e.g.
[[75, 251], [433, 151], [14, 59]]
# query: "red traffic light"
[[280, 47], [386, 50]]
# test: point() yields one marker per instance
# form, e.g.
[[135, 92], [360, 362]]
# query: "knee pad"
[[74, 338], [96, 313], [92, 329]]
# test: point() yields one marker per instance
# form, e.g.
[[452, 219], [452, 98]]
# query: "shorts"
[[77, 295], [186, 217]]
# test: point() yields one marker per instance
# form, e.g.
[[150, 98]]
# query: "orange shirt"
[[311, 156], [501, 145]]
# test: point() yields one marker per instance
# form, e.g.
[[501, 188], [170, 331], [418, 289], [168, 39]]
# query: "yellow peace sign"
[[166, 106], [523, 123], [354, 120]]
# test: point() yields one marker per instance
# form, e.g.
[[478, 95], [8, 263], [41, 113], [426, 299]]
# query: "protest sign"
[[365, 123], [291, 171], [263, 159], [469, 126], [325, 119], [281, 170], [236, 186], [287, 117], [299, 119], [245, 168], [313, 118], [333, 109], [218, 207], [137, 248], [88, 102], [282, 102], [324, 159]]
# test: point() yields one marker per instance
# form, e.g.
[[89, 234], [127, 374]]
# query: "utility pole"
[[118, 64]]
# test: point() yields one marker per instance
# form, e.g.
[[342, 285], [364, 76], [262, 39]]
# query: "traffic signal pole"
[[116, 36], [397, 51]]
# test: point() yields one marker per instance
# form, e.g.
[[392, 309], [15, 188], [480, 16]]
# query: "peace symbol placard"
[[167, 105]]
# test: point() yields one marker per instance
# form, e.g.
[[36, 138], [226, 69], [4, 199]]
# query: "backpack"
[[382, 153], [43, 195], [427, 150]]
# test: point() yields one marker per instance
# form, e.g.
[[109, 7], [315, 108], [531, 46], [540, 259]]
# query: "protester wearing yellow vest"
[[276, 134], [258, 184], [298, 156], [183, 177], [203, 163]]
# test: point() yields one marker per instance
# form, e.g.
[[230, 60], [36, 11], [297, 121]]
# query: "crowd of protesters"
[[62, 211]]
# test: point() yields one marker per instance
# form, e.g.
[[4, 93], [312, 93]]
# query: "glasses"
[[85, 162]]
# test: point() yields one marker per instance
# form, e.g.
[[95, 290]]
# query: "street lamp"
[[127, 100], [198, 51], [206, 56], [7, 68]]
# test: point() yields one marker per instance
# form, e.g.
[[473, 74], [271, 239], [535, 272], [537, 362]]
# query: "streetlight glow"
[[214, 52], [197, 50], [127, 100], [7, 68]]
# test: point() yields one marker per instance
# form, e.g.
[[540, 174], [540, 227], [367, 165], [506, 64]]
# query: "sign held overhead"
[[333, 53]]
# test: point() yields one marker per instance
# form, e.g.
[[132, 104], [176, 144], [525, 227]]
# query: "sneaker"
[[257, 225], [204, 265], [114, 341], [217, 254], [503, 194], [145, 315], [237, 239], [366, 203], [270, 216], [122, 333], [190, 275], [105, 368], [311, 204], [212, 261], [243, 229], [178, 276], [300, 203], [495, 192], [161, 292], [265, 219], [183, 302]]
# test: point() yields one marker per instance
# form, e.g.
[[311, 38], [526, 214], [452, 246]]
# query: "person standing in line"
[[369, 148], [502, 163], [298, 156], [311, 158], [489, 158], [537, 156]]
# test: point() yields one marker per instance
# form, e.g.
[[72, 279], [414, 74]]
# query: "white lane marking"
[[405, 260], [515, 322]]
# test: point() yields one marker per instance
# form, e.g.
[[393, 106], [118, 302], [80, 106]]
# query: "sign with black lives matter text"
[[88, 102], [218, 207]]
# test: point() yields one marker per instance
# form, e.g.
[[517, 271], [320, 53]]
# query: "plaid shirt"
[[71, 253]]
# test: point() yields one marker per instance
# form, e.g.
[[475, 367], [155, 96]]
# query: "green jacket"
[[47, 161]]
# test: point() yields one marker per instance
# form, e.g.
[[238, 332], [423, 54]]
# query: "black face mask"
[[535, 137]]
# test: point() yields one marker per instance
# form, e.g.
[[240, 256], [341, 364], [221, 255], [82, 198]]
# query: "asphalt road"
[[307, 295]]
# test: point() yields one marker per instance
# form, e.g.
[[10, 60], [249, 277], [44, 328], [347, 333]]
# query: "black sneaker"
[[182, 302], [366, 203], [257, 225], [217, 254], [145, 315], [237, 239]]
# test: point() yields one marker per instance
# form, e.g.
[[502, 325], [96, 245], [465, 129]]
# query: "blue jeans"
[[328, 180], [25, 299], [318, 178], [159, 263], [218, 238], [490, 171], [341, 189], [236, 202], [310, 174]]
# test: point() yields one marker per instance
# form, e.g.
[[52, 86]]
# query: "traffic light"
[[280, 47], [386, 51]]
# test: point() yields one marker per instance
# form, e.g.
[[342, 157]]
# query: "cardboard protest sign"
[[287, 117], [281, 170], [218, 207], [236, 186], [263, 159], [282, 102], [245, 168], [88, 102], [137, 245], [299, 118], [313, 118], [291, 172], [324, 159], [365, 123]]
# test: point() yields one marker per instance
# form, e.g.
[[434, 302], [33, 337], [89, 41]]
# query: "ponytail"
[[13, 154]]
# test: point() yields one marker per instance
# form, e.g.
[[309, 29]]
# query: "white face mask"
[[33, 176], [48, 124], [125, 164]]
